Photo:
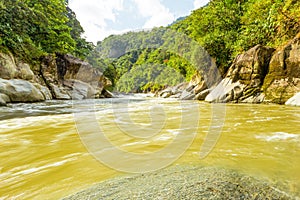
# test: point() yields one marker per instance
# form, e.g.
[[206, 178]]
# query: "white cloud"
[[200, 3], [158, 13], [93, 14], [97, 17]]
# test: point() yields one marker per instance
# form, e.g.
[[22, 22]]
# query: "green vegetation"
[[224, 28], [117, 55], [148, 78], [33, 28]]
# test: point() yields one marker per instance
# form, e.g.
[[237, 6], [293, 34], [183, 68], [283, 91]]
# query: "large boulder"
[[8, 68], [69, 67], [174, 91], [2, 102], [187, 90], [24, 72], [196, 85], [4, 99], [244, 78], [79, 90], [283, 79], [68, 77], [294, 101], [20, 91], [60, 93], [44, 90]]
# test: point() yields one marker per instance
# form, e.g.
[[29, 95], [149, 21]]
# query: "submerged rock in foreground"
[[185, 182]]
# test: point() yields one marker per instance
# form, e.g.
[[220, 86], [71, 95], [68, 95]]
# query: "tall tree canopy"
[[31, 28]]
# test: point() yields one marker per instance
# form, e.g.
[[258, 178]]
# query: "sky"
[[101, 18]]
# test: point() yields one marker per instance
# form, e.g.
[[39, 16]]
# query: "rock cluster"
[[196, 89], [63, 77], [262, 74]]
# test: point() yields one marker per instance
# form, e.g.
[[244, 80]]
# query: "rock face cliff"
[[260, 75], [62, 77], [244, 78], [283, 80], [68, 77]]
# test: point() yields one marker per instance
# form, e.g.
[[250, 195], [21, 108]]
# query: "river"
[[44, 146]]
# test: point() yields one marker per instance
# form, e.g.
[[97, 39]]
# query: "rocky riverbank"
[[260, 75], [62, 77], [186, 182]]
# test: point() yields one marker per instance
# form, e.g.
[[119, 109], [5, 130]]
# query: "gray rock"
[[190, 88], [200, 87], [8, 67], [61, 72], [224, 91], [166, 94], [79, 90], [245, 77], [294, 101], [4, 99], [180, 87], [2, 102], [202, 95], [186, 95], [176, 96], [20, 91], [24, 72], [44, 90], [259, 98], [60, 93]]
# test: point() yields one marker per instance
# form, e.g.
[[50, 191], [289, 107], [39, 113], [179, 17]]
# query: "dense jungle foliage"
[[224, 28], [33, 28]]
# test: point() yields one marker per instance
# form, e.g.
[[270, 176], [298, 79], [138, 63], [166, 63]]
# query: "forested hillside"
[[225, 28], [41, 53], [33, 28]]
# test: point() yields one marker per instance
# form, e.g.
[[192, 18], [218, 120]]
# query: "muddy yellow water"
[[53, 149]]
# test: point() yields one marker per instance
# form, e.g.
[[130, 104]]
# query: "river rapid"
[[43, 154]]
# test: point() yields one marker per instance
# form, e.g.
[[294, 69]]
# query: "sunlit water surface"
[[42, 156]]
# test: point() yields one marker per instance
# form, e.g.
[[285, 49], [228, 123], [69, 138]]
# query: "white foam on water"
[[36, 169], [135, 143], [278, 136], [164, 137], [17, 123], [174, 131]]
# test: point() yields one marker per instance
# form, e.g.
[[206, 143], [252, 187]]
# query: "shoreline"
[[186, 182]]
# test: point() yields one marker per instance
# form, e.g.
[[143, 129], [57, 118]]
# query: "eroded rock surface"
[[64, 77], [294, 101], [283, 80], [244, 78]]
